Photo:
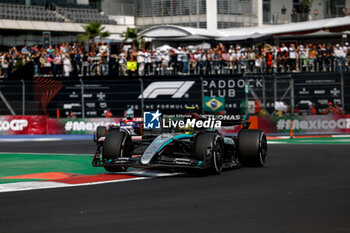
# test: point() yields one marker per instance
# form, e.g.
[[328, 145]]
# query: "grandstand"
[[54, 12], [80, 13], [23, 22], [23, 12]]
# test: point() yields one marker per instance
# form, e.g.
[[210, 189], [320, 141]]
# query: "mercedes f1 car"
[[181, 150]]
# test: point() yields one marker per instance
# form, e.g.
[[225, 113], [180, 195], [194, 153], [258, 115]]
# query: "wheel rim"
[[263, 149], [217, 157]]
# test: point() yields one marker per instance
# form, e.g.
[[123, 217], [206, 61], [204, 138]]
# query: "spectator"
[[24, 50], [36, 61], [165, 62], [304, 57], [141, 62], [85, 64], [220, 60], [312, 57], [338, 55], [315, 14], [5, 65], [57, 65], [173, 62], [283, 13], [122, 62], [251, 60], [104, 61], [66, 65], [71, 115], [184, 60], [344, 49], [148, 62], [292, 57], [347, 60], [108, 113], [42, 61], [294, 15]]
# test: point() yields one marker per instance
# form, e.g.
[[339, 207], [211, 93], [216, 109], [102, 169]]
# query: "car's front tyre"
[[114, 147], [208, 148]]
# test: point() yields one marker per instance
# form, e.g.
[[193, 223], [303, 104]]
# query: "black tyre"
[[209, 149], [101, 131], [113, 148], [252, 147]]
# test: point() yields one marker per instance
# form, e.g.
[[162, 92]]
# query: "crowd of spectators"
[[78, 60], [60, 60]]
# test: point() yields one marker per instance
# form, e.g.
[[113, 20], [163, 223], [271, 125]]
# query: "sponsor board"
[[34, 125], [318, 89], [314, 124], [12, 125]]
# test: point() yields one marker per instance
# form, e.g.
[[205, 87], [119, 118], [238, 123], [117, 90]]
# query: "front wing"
[[163, 163]]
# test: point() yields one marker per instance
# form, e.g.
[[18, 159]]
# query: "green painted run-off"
[[22, 164]]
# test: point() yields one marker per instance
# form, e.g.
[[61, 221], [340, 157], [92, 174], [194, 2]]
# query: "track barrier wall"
[[41, 125]]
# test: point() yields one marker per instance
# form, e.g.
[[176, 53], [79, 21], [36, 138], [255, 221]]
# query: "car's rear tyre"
[[252, 147], [101, 131], [114, 147], [209, 149]]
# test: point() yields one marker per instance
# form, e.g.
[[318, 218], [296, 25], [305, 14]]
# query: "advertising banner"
[[36, 125], [327, 124], [81, 126], [12, 125], [232, 90], [170, 95], [318, 90]]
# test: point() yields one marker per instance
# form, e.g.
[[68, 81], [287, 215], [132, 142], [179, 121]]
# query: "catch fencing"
[[90, 97]]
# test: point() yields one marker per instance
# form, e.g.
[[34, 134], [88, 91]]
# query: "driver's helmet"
[[129, 114], [189, 129]]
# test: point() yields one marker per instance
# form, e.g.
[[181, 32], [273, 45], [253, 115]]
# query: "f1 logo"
[[151, 120], [177, 89]]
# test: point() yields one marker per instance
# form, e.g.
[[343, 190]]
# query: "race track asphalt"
[[303, 188]]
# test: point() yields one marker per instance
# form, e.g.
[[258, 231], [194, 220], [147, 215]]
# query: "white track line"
[[36, 185], [30, 139], [28, 186], [34, 153]]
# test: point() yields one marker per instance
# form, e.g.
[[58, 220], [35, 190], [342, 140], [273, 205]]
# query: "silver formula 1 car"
[[181, 150]]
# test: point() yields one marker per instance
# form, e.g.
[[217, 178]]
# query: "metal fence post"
[[274, 88], [246, 92], [342, 90], [292, 100], [202, 95], [264, 90], [142, 98], [23, 97], [82, 99]]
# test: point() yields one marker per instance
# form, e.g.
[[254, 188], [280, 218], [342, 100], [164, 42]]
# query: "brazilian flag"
[[214, 104]]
